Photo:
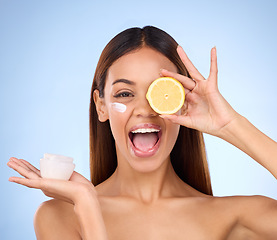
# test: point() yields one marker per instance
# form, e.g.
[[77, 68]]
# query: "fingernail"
[[10, 180], [11, 164], [162, 69]]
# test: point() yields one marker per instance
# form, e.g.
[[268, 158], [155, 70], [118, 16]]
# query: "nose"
[[143, 109]]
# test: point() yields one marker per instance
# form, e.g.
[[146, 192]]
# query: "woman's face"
[[127, 82]]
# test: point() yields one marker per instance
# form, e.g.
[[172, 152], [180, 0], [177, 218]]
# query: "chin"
[[144, 165]]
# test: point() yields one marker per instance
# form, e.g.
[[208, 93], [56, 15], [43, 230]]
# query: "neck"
[[147, 187]]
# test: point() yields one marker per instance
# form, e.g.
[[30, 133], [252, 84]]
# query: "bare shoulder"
[[255, 216], [55, 219], [248, 208], [249, 202], [244, 204]]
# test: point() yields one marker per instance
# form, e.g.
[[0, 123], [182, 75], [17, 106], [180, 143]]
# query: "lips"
[[144, 139]]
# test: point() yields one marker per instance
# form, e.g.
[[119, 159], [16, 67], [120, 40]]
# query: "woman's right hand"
[[74, 190], [77, 190]]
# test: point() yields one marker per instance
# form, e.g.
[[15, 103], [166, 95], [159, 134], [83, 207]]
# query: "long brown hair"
[[188, 155]]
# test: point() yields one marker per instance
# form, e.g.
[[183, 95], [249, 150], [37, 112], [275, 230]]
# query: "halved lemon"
[[166, 95]]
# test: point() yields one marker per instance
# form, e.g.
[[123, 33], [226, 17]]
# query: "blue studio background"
[[48, 54]]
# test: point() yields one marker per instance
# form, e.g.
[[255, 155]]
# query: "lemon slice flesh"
[[166, 95]]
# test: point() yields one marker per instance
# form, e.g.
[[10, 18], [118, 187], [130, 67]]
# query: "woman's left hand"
[[205, 108]]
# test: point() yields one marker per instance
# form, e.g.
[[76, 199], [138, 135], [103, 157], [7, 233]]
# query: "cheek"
[[118, 107], [118, 117], [173, 132]]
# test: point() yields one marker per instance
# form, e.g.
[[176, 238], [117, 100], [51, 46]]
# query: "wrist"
[[87, 198], [89, 215], [233, 127]]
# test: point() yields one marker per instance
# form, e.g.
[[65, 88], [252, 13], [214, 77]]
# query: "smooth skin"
[[144, 198]]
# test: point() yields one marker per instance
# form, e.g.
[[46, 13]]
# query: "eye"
[[124, 95]]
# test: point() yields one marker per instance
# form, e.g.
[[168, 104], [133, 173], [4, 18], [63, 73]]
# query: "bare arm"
[[208, 111], [259, 215], [57, 220], [90, 219], [242, 134], [76, 204]]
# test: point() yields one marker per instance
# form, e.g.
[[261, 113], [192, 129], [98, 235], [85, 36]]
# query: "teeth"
[[145, 130]]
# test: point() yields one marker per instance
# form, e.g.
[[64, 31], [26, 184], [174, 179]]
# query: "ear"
[[100, 106]]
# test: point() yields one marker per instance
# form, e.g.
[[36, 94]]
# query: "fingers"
[[77, 177], [178, 119], [31, 183], [30, 166], [22, 169], [188, 83], [17, 161], [26, 164], [52, 188], [194, 73], [213, 68]]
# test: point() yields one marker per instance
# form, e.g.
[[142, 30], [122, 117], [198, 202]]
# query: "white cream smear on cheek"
[[119, 107]]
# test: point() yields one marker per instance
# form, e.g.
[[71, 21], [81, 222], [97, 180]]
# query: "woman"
[[153, 185]]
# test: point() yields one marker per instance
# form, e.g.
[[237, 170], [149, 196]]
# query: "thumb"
[[178, 119], [77, 177]]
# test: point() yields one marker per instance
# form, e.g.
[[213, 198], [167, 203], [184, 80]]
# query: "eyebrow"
[[124, 81]]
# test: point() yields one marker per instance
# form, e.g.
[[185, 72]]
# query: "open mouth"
[[145, 139]]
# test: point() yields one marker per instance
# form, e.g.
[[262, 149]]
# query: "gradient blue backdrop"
[[48, 54]]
